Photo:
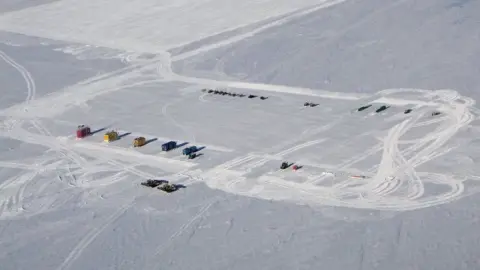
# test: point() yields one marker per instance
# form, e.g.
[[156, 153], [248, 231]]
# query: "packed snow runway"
[[148, 71]]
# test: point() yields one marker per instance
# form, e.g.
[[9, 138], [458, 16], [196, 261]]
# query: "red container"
[[83, 131]]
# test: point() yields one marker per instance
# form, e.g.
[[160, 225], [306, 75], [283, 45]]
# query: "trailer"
[[169, 146], [139, 141], [83, 131], [189, 150], [110, 136]]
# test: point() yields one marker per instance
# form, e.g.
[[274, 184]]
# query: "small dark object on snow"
[[313, 104], [204, 90], [407, 111], [382, 108], [167, 187], [364, 107], [241, 95], [210, 91], [306, 104], [263, 98], [252, 96], [284, 165], [296, 167], [169, 146], [153, 183], [189, 150], [192, 156], [234, 95], [435, 113]]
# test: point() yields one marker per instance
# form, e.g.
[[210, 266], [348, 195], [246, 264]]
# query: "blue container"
[[169, 146]]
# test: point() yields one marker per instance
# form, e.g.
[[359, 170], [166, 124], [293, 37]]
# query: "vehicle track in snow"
[[90, 237], [394, 173], [156, 259]]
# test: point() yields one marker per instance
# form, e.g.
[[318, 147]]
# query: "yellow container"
[[110, 136], [139, 141]]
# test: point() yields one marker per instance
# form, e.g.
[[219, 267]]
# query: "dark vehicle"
[[252, 96], [210, 91], [169, 146], [153, 183], [436, 113], [189, 150], [364, 107], [192, 156], [284, 165], [263, 98], [313, 104], [167, 187], [407, 111], [381, 109], [306, 104]]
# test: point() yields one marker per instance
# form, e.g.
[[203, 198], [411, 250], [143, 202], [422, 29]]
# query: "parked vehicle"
[[139, 141], [83, 131], [169, 146], [189, 150], [110, 136], [381, 109]]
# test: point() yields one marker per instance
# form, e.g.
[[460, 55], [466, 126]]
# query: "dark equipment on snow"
[[167, 187], [407, 111], [192, 156], [252, 96], [189, 150], [381, 109], [435, 113], [169, 146], [210, 91], [306, 104], [284, 165], [313, 104], [364, 107], [263, 98], [153, 183]]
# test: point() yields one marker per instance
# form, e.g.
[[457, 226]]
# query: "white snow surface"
[[386, 190], [147, 25]]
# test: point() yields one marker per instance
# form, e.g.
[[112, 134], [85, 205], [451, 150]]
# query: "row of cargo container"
[[84, 131]]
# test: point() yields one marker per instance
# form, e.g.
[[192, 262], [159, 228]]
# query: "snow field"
[[77, 204], [146, 26]]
